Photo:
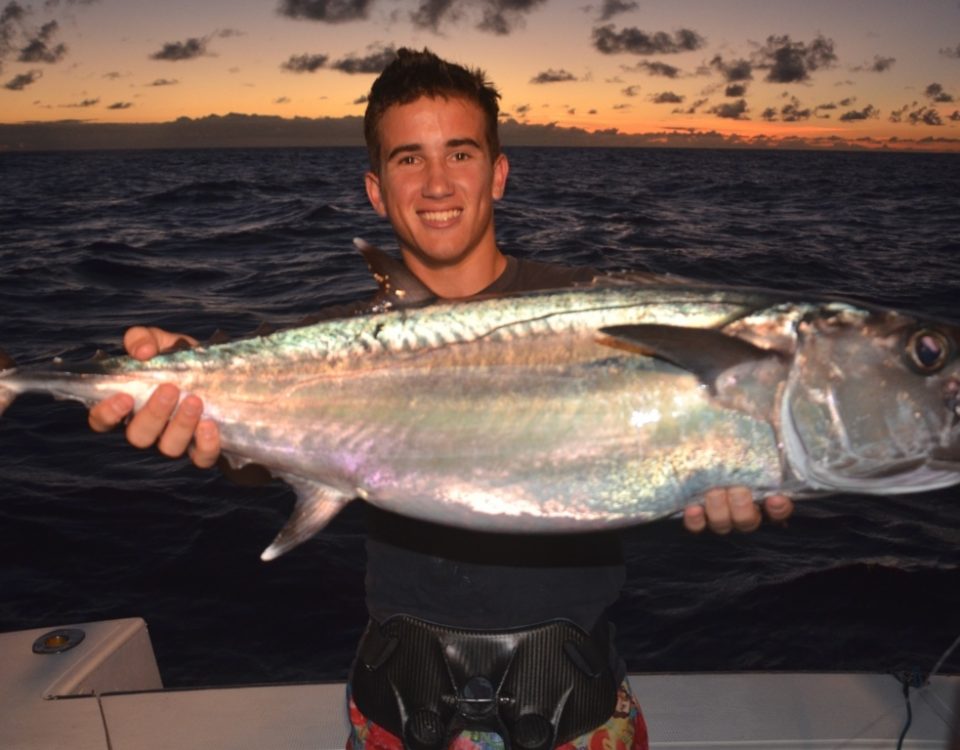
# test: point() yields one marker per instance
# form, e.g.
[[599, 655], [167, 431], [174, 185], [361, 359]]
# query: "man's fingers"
[[744, 513], [148, 423], [143, 343], [694, 518], [179, 432], [778, 508], [206, 445], [717, 508], [110, 412]]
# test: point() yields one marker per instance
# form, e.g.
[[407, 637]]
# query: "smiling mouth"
[[441, 217]]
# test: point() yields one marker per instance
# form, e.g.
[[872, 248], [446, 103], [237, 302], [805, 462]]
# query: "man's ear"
[[501, 167], [372, 182]]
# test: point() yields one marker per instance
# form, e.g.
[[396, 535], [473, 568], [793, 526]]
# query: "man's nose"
[[437, 183]]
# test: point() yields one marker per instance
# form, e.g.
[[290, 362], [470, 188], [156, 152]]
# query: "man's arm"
[[175, 430]]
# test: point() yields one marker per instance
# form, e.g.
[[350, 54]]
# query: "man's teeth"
[[453, 213]]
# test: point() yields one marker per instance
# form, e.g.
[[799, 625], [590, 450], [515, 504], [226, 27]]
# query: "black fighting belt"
[[536, 687]]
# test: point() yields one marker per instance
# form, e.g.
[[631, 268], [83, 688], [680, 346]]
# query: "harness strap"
[[536, 687]]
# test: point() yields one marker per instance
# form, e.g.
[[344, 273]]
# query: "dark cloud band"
[[634, 41]]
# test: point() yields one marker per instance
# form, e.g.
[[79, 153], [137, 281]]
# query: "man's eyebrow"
[[457, 142], [407, 148], [414, 148]]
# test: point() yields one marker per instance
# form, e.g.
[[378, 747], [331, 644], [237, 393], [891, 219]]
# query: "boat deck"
[[106, 694]]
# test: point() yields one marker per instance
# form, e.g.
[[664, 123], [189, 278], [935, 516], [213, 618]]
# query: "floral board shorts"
[[625, 730]]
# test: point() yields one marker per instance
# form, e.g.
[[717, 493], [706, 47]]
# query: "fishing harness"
[[536, 687]]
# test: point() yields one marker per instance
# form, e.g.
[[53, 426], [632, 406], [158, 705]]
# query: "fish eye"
[[927, 351]]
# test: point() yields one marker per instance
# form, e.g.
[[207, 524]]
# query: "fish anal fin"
[[398, 286], [316, 505], [702, 351]]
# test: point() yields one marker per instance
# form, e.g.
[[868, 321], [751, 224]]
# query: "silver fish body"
[[574, 409]]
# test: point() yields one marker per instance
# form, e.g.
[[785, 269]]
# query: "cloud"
[[867, 113], [792, 62], [81, 105], [953, 52], [897, 115], [496, 16], [955, 116], [630, 91], [879, 65], [282, 100], [553, 76], [613, 8], [935, 92], [925, 116], [432, 13], [363, 99], [120, 105], [37, 49], [375, 61], [792, 111], [692, 109], [735, 90], [731, 110], [163, 82], [21, 81], [175, 51], [327, 11], [654, 69], [734, 71], [522, 109], [49, 4], [666, 97], [502, 16], [637, 42], [305, 63], [228, 33]]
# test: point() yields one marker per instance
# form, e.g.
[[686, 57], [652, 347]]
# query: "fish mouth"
[[440, 218]]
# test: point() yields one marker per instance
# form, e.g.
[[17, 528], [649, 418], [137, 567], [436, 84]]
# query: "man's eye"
[[461, 156]]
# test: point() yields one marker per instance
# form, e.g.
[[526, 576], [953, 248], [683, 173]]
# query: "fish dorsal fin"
[[316, 505], [398, 286], [702, 351], [219, 336]]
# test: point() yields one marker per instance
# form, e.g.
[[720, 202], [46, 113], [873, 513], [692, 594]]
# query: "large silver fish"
[[564, 410]]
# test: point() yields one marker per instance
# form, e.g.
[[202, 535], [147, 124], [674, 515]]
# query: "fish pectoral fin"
[[702, 351], [316, 505]]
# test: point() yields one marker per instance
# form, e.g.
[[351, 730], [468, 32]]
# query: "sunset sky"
[[862, 72]]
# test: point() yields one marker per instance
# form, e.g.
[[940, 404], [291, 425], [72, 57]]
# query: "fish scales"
[[573, 409]]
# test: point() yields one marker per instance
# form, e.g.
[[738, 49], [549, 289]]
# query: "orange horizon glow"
[[897, 85]]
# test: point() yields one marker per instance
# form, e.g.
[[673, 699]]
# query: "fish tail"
[[7, 395]]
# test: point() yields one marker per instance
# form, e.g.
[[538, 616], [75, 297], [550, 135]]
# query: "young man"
[[519, 621]]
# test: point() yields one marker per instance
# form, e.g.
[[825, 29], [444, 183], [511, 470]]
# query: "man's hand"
[[726, 509], [174, 430]]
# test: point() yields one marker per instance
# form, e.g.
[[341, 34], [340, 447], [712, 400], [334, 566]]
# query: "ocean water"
[[91, 528]]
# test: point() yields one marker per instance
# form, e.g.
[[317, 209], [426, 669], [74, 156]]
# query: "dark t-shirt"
[[483, 580]]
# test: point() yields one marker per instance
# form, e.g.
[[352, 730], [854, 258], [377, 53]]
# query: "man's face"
[[437, 183]]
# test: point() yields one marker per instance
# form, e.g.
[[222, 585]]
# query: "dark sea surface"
[[92, 529]]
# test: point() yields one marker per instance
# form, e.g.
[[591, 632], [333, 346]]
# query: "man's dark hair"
[[414, 74]]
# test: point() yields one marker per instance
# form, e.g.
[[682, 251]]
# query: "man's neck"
[[471, 274]]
